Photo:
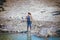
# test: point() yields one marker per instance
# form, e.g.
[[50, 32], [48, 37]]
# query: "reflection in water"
[[28, 35], [24, 36]]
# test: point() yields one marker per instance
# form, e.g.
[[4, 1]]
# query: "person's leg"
[[30, 25], [27, 26]]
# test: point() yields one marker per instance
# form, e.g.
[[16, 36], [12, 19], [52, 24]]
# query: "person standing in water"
[[29, 21]]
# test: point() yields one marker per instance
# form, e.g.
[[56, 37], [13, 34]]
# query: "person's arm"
[[25, 19], [31, 18]]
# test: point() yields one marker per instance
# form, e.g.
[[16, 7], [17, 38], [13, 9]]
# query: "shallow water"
[[24, 36]]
